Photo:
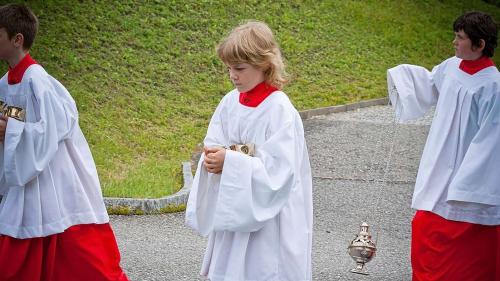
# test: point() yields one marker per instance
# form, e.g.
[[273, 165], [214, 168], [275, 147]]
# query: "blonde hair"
[[253, 43]]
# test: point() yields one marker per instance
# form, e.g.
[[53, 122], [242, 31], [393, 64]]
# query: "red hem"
[[449, 250], [81, 252]]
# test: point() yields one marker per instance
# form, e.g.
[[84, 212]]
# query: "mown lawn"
[[146, 78]]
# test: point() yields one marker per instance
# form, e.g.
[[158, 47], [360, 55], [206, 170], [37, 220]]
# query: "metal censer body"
[[362, 249]]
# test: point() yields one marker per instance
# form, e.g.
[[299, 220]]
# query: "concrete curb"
[[306, 114], [174, 202], [177, 201]]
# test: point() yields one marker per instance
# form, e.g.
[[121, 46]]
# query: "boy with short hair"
[[456, 229], [252, 192], [53, 222]]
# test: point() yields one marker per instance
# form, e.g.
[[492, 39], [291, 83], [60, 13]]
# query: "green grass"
[[146, 78]]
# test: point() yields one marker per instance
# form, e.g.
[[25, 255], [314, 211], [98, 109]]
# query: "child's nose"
[[232, 75]]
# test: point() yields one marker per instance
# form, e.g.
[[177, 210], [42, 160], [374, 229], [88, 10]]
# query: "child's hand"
[[214, 159], [3, 127]]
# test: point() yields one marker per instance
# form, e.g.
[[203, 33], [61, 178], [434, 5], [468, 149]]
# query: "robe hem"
[[464, 196], [53, 228], [454, 214], [215, 277]]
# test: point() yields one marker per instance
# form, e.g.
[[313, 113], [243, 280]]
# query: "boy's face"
[[463, 47], [245, 76], [7, 46]]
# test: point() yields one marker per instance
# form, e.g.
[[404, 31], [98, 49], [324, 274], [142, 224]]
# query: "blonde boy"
[[252, 191]]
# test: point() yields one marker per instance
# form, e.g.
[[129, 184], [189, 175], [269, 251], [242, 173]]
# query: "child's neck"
[[16, 58]]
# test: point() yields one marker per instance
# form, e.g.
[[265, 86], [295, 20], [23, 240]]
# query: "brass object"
[[248, 149], [3, 106], [15, 112], [362, 249]]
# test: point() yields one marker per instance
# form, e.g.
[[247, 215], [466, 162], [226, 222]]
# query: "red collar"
[[473, 66], [256, 95], [15, 74]]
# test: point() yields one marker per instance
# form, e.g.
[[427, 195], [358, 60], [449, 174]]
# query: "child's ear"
[[18, 40], [480, 47], [267, 67]]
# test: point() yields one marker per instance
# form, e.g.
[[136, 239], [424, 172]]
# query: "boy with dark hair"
[[456, 229], [53, 222]]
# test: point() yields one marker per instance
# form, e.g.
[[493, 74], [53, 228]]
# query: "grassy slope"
[[146, 79]]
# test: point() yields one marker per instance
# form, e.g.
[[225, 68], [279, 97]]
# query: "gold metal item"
[[3, 108], [15, 112], [248, 148]]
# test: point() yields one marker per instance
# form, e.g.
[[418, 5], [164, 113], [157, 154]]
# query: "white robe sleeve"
[[412, 90], [254, 189], [203, 195], [30, 146], [477, 180], [215, 132]]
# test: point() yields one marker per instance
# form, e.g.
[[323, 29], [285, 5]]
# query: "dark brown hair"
[[477, 26], [17, 18]]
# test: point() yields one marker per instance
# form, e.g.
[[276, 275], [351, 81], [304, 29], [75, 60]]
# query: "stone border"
[[174, 202], [306, 114], [177, 201]]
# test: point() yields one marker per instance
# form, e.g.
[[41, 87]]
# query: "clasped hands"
[[214, 159]]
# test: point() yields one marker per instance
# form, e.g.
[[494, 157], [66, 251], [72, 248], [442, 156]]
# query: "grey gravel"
[[352, 183]]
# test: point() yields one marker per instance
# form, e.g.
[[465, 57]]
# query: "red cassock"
[[448, 250], [86, 252]]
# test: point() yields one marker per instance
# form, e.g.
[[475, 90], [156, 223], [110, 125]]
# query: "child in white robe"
[[456, 229], [252, 192], [53, 222]]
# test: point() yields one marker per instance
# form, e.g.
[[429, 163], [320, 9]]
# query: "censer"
[[362, 248]]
